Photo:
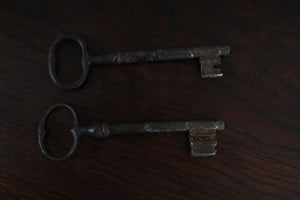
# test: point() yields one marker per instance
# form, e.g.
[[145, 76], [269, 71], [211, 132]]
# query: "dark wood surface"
[[258, 98]]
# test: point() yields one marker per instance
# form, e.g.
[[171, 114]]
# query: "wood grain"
[[258, 98]]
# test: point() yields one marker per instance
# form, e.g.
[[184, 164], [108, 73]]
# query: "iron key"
[[208, 56], [202, 134]]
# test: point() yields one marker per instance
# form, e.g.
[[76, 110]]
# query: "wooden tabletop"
[[258, 99]]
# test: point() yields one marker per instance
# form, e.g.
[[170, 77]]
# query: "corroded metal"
[[209, 57], [202, 134]]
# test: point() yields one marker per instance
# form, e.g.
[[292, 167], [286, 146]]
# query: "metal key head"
[[42, 132], [53, 67], [203, 138], [97, 130]]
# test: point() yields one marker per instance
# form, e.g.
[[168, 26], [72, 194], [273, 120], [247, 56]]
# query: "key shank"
[[99, 130], [158, 55], [202, 134]]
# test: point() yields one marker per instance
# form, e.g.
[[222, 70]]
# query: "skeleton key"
[[202, 134], [208, 56]]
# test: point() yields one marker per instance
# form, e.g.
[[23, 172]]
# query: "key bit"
[[209, 57], [202, 134]]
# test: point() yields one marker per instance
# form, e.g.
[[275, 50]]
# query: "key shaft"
[[158, 55], [104, 130]]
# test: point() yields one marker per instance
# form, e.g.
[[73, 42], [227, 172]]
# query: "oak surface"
[[258, 99]]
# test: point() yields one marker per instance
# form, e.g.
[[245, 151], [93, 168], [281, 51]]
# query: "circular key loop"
[[43, 131], [53, 67]]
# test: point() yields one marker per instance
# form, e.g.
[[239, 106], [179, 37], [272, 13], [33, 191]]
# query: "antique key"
[[208, 56], [202, 134]]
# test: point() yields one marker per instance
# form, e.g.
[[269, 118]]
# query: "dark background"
[[258, 98]]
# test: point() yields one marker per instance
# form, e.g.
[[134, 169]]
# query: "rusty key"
[[202, 134], [208, 56]]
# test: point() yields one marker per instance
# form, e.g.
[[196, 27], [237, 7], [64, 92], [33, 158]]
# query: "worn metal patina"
[[208, 56], [202, 134]]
